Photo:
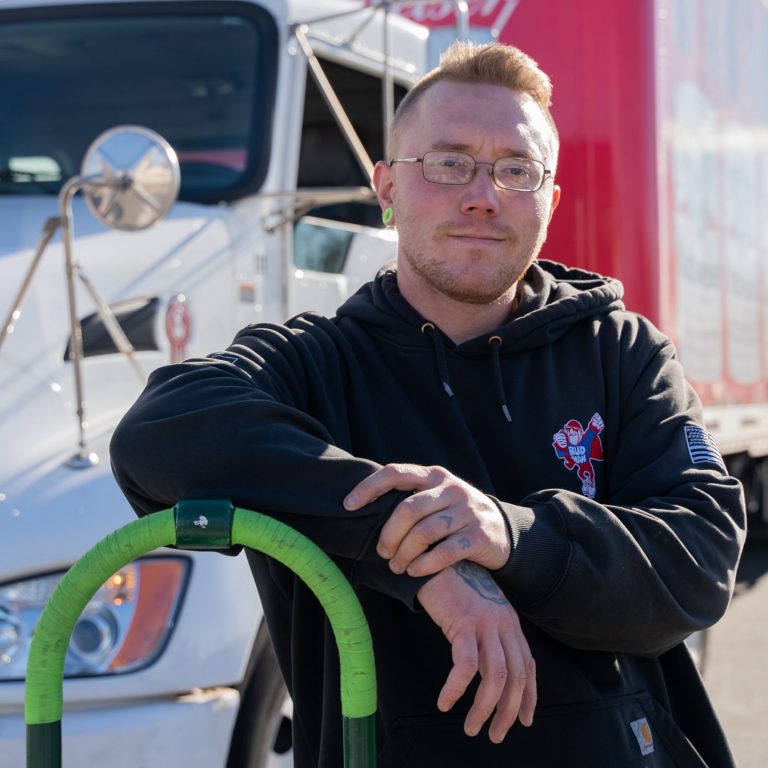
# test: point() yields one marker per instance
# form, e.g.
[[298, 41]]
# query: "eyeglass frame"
[[547, 173]]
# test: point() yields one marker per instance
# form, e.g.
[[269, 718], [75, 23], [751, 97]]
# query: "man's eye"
[[513, 170], [450, 161]]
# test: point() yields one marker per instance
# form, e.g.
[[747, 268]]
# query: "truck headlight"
[[123, 628]]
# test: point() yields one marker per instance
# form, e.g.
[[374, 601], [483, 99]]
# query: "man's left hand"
[[443, 510]]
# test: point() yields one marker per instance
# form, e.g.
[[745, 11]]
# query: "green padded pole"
[[44, 744], [45, 668], [345, 614], [322, 576], [359, 741]]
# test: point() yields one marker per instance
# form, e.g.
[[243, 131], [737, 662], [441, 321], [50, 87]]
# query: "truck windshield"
[[203, 80]]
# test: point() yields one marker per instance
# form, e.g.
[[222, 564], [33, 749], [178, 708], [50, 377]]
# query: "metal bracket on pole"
[[204, 524]]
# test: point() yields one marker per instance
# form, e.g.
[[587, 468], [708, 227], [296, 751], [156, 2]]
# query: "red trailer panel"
[[662, 108], [713, 135]]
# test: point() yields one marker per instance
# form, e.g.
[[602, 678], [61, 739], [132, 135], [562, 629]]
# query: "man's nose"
[[481, 194]]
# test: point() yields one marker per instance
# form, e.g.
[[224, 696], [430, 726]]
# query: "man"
[[411, 437]]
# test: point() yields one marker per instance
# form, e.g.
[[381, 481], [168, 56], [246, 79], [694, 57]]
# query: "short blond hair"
[[489, 64]]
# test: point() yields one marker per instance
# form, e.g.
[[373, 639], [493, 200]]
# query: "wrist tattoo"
[[478, 579]]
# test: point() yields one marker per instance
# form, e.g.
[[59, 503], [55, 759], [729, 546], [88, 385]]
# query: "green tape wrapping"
[[330, 586], [45, 667]]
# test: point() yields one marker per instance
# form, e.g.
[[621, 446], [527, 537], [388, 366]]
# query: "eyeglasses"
[[517, 173]]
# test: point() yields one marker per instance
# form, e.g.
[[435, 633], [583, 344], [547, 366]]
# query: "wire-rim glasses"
[[521, 174]]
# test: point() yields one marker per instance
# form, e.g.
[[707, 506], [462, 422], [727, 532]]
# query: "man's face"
[[472, 242]]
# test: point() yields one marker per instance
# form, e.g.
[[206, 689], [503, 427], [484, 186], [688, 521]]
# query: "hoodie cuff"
[[373, 571], [402, 587], [540, 552]]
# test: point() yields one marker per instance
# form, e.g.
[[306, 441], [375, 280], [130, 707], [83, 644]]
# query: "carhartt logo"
[[643, 734]]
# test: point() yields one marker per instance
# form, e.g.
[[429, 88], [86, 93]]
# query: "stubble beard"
[[438, 276]]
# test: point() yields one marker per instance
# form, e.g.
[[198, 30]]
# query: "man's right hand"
[[485, 636]]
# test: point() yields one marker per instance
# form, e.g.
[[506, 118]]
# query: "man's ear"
[[383, 184], [554, 202]]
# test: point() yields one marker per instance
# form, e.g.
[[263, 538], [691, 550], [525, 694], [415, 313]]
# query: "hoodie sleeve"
[[236, 425], [654, 557]]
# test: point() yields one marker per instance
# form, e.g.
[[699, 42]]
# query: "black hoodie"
[[575, 409]]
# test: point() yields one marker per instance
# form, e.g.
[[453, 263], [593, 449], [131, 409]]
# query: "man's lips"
[[487, 232], [478, 236]]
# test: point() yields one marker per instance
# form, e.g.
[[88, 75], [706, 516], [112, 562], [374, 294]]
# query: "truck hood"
[[38, 423], [38, 399], [51, 513]]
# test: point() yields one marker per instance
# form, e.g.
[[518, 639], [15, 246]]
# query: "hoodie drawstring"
[[495, 343], [442, 365]]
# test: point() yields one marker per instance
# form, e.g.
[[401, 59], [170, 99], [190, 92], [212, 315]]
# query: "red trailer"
[[662, 108]]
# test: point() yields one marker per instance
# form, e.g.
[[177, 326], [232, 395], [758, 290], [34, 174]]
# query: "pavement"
[[736, 667]]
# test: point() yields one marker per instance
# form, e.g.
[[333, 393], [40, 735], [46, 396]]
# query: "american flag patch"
[[702, 446]]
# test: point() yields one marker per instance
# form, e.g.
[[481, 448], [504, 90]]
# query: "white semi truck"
[[170, 664]]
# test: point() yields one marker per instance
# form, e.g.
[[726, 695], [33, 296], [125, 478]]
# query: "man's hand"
[[485, 636], [443, 508]]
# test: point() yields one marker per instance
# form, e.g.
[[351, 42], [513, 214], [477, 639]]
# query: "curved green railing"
[[201, 524]]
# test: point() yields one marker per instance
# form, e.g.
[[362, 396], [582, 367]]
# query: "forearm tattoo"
[[478, 579]]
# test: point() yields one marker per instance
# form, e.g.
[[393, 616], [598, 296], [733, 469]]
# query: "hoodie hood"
[[551, 298]]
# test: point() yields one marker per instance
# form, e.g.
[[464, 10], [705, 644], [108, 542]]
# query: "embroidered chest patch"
[[578, 447]]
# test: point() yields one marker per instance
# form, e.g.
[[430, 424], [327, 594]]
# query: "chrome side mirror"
[[130, 177]]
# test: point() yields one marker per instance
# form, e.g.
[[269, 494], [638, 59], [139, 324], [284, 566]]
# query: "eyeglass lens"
[[518, 173]]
